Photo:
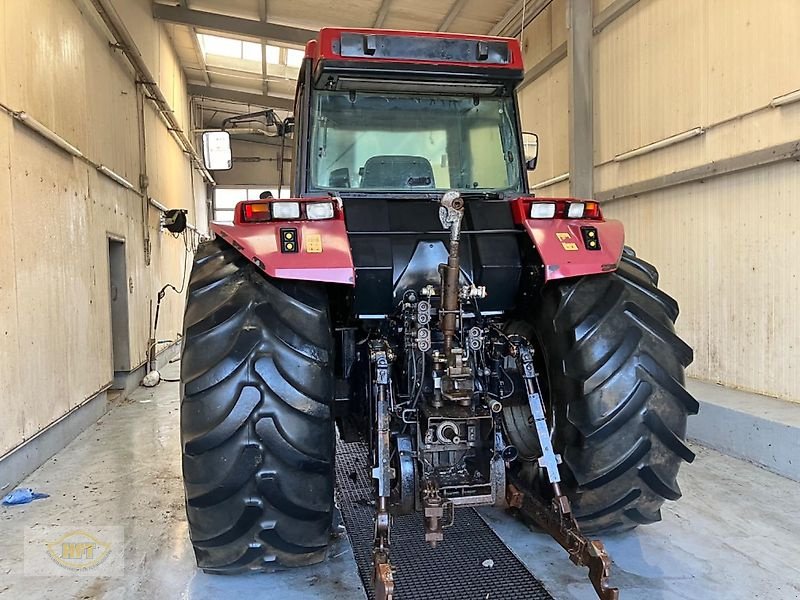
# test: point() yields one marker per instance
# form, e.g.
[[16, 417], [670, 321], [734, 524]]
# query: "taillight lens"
[[256, 213], [316, 211], [591, 210]]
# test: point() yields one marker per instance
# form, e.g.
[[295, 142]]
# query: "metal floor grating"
[[451, 571]]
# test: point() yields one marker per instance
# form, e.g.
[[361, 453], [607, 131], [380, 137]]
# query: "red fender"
[[560, 243], [326, 259]]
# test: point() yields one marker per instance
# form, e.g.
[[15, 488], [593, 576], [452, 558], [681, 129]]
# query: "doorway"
[[118, 290]]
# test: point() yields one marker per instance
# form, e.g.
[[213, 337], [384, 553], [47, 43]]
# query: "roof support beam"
[[232, 25], [383, 12], [240, 97], [610, 14], [581, 126], [511, 24], [452, 14], [704, 172], [201, 58], [544, 65]]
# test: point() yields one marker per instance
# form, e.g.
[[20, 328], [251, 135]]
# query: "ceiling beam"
[[544, 65], [383, 12], [232, 25], [201, 57], [217, 93], [452, 14], [509, 25], [610, 13]]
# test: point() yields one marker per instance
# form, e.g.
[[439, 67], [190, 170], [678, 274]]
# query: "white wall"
[[724, 245], [56, 211]]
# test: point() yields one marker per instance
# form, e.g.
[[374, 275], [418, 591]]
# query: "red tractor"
[[491, 346]]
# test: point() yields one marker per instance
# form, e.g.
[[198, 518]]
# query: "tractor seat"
[[397, 171]]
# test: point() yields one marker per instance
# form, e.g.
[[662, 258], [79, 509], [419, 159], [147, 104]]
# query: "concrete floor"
[[735, 533]]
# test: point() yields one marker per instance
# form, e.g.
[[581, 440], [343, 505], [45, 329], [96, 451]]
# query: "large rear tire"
[[257, 432], [613, 373]]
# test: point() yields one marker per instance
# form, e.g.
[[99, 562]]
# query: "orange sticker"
[[313, 243], [561, 235], [571, 246]]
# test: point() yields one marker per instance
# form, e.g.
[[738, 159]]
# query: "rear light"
[[543, 210], [565, 209], [286, 210], [256, 213], [591, 210], [575, 210], [316, 211]]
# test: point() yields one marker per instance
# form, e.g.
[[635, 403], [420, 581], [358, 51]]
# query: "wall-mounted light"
[[673, 139], [32, 123], [785, 99]]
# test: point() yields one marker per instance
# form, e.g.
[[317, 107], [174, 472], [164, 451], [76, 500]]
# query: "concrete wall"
[[723, 242], [57, 211]]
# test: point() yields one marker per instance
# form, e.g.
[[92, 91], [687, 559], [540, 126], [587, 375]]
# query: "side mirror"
[[530, 144], [288, 125], [217, 154]]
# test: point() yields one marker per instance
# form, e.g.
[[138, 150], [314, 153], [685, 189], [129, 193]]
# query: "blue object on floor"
[[22, 496]]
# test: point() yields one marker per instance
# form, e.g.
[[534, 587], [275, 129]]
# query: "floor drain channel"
[[471, 564]]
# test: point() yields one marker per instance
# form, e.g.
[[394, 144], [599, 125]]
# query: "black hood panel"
[[398, 245]]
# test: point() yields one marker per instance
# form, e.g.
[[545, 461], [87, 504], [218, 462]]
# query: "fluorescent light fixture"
[[551, 181], [674, 139], [118, 178], [785, 99], [543, 210], [286, 210], [32, 123]]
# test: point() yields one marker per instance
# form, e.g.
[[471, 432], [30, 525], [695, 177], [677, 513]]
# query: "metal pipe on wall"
[[144, 180], [128, 46]]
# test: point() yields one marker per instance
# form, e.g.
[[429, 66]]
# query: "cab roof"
[[447, 53]]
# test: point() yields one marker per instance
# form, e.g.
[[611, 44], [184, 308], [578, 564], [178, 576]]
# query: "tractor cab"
[[391, 112], [389, 121]]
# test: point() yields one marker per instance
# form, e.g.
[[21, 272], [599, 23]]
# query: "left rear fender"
[[322, 251]]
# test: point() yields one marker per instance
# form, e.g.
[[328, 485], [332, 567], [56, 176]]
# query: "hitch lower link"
[[556, 518], [382, 574]]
